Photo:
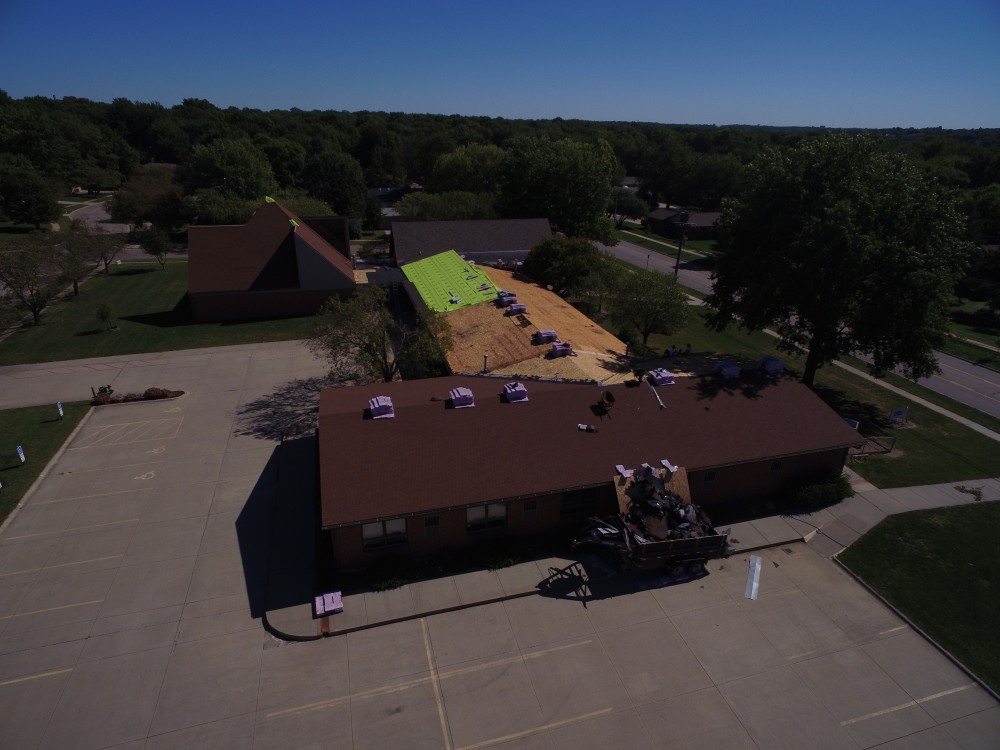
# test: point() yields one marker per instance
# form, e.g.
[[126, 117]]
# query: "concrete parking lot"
[[132, 579]]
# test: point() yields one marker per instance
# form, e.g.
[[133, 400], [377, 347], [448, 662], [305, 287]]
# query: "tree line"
[[198, 163]]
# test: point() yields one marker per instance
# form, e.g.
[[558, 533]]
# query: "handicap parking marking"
[[128, 432]]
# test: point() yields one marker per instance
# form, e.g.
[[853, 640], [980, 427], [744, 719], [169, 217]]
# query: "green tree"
[[451, 206], [626, 205], [26, 197], [474, 168], [841, 247], [151, 194], [79, 254], [568, 182], [359, 337], [29, 271], [650, 302], [235, 168], [563, 263], [336, 179], [154, 242]]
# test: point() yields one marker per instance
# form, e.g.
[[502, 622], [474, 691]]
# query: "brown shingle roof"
[[261, 254], [433, 457], [481, 240]]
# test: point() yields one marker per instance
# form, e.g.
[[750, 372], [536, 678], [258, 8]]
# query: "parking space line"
[[436, 683], [89, 497], [537, 730], [893, 630], [51, 609], [908, 704], [53, 673], [61, 565], [129, 432], [68, 531], [373, 692]]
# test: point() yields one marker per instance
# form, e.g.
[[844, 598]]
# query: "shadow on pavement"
[[279, 532], [287, 412]]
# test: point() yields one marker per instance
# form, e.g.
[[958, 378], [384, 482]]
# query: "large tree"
[[568, 182], [29, 272], [649, 301], [25, 196], [336, 179], [364, 343], [841, 247]]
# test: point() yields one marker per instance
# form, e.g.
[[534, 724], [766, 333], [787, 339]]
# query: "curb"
[[916, 629], [45, 472]]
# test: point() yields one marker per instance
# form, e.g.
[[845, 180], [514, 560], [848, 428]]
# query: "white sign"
[[59, 407], [20, 453]]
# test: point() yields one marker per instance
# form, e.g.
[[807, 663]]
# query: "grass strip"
[[152, 314], [941, 569], [40, 432]]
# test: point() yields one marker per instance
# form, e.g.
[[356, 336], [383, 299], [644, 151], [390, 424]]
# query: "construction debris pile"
[[657, 514]]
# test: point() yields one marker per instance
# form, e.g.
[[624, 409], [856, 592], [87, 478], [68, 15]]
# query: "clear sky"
[[850, 63]]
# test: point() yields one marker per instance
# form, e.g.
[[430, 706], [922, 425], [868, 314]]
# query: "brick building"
[[437, 475]]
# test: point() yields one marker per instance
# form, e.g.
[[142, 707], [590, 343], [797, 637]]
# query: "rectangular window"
[[709, 478], [383, 533], [431, 526], [775, 468], [530, 508], [578, 503], [481, 517]]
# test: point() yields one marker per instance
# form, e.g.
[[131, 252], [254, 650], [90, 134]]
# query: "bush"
[[823, 493]]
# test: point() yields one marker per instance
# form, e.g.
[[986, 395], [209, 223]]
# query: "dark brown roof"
[[481, 240], [430, 457], [267, 252]]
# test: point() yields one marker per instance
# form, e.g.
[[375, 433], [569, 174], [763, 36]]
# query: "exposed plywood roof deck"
[[486, 329]]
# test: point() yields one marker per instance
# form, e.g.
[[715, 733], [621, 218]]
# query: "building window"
[[481, 517], [775, 468], [709, 478], [578, 503], [383, 533], [530, 509], [431, 526]]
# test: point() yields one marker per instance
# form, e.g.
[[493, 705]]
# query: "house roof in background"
[[478, 240]]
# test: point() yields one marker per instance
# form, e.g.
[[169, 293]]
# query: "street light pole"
[[647, 261], [680, 248]]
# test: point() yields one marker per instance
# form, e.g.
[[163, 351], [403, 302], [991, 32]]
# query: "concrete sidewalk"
[[827, 531]]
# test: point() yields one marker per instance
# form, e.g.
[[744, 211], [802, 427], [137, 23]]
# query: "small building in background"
[[483, 241]]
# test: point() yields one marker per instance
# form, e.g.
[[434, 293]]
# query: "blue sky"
[[853, 63]]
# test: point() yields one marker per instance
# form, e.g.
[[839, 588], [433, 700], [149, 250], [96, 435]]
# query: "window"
[[489, 516], [431, 526], [530, 508], [709, 478], [578, 503], [775, 468], [383, 533]]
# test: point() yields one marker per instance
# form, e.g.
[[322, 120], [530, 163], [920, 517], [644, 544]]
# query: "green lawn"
[[655, 243], [941, 568], [40, 432], [936, 449], [152, 315]]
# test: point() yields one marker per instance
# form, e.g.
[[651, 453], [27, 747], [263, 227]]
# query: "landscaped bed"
[[941, 568]]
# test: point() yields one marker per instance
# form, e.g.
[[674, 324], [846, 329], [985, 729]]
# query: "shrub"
[[825, 492]]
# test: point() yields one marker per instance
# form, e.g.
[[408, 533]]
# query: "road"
[[962, 381], [692, 278]]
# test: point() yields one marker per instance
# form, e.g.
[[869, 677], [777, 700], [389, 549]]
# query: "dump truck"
[[657, 527]]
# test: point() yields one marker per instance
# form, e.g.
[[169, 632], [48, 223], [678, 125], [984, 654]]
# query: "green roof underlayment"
[[446, 282]]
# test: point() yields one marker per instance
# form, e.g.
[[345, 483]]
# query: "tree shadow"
[[289, 411], [131, 271], [180, 315], [868, 414], [749, 384]]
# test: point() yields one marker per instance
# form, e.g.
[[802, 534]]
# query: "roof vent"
[[462, 398], [515, 392], [505, 298], [544, 336], [661, 376], [381, 407]]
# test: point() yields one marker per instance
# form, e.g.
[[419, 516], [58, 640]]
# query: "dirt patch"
[[485, 329]]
